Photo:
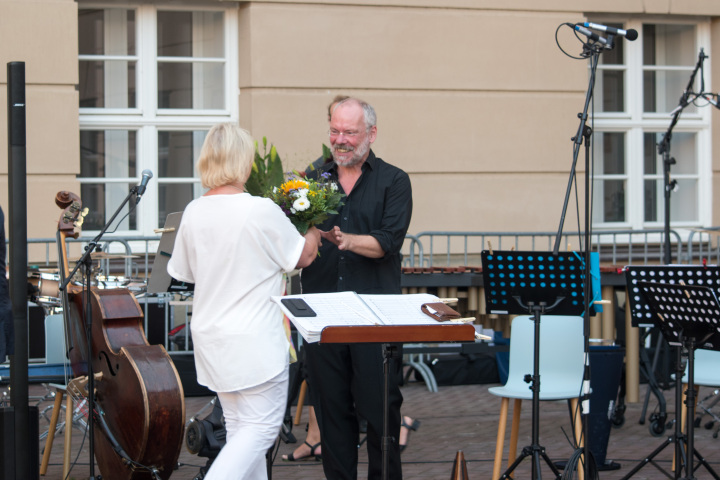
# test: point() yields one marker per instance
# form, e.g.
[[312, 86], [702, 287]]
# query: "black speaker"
[[185, 365], [16, 103], [7, 443]]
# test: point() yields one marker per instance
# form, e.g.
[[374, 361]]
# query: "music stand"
[[534, 283], [643, 317], [689, 314], [160, 280]]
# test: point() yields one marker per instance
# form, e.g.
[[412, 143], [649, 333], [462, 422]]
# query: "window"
[[638, 85], [153, 80]]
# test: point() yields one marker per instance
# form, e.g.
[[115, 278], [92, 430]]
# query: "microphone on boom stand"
[[146, 176]]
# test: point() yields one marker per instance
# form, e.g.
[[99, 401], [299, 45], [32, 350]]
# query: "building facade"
[[476, 100]]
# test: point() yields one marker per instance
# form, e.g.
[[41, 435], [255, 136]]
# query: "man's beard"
[[359, 154]]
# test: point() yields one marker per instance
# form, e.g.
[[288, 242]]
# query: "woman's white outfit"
[[235, 249]]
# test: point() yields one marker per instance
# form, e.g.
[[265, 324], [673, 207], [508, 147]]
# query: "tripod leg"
[[527, 451], [554, 468], [704, 463], [649, 458]]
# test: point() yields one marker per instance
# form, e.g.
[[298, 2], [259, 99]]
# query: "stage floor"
[[456, 418]]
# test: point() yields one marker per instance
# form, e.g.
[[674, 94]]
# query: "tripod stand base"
[[607, 466], [536, 453]]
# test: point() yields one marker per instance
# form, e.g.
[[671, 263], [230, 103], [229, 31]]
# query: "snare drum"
[[45, 285], [108, 282]]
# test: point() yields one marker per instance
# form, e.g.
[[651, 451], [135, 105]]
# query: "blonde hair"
[[226, 157]]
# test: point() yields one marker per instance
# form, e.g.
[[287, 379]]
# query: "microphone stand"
[[664, 150], [86, 262], [592, 51]]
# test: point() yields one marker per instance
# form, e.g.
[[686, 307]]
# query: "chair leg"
[[504, 402], [514, 432], [684, 419], [300, 403], [68, 433], [577, 426], [57, 406]]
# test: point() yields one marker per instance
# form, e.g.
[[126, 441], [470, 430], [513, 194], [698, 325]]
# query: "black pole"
[[17, 223], [584, 133]]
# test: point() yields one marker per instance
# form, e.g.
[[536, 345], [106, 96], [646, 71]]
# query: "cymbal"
[[105, 255]]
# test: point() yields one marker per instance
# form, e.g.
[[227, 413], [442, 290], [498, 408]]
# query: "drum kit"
[[44, 284]]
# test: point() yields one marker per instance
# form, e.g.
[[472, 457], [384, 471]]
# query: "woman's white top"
[[235, 248]]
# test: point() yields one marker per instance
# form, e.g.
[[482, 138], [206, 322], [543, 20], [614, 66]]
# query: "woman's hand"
[[310, 250]]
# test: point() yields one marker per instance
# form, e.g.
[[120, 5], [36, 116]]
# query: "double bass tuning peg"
[[81, 217]]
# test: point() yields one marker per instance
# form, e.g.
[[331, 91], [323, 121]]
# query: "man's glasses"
[[336, 133]]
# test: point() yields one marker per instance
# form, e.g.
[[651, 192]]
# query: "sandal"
[[293, 458], [411, 428]]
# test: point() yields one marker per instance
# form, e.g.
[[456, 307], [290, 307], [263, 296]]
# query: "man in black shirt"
[[360, 252]]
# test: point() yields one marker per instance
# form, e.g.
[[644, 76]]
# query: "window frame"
[[634, 122], [146, 118]]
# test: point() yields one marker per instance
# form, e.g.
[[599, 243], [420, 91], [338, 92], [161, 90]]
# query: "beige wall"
[[474, 99], [43, 34], [466, 119]]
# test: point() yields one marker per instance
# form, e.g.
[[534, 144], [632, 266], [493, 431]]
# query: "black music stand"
[[691, 315], [534, 283], [642, 316]]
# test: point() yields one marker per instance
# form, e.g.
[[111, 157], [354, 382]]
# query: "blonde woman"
[[235, 248]]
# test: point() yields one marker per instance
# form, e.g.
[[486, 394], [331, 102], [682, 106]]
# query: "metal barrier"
[[704, 245], [616, 247]]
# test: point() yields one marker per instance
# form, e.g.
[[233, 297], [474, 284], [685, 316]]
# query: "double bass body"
[[139, 392]]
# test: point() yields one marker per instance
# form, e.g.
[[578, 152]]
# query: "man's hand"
[[337, 237], [365, 245]]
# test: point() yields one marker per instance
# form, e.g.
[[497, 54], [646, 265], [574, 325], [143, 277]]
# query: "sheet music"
[[349, 308], [343, 308], [401, 309]]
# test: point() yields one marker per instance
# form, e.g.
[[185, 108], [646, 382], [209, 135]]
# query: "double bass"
[[139, 401]]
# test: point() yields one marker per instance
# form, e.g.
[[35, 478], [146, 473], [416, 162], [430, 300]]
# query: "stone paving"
[[458, 418]]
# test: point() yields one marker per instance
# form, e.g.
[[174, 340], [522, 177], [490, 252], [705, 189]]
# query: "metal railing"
[[704, 245], [616, 247], [448, 248]]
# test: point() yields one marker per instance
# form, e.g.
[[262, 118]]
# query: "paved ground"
[[457, 418]]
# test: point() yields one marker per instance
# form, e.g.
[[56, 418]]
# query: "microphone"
[[146, 176], [629, 34], [592, 35]]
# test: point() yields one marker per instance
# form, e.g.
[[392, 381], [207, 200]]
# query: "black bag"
[[464, 369]]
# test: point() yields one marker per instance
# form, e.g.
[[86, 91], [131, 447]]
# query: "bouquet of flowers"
[[307, 202]]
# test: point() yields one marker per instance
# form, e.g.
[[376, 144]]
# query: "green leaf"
[[267, 171]]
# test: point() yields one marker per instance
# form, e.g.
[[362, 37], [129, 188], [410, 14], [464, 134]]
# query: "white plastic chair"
[[706, 374], [55, 340], [561, 371]]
